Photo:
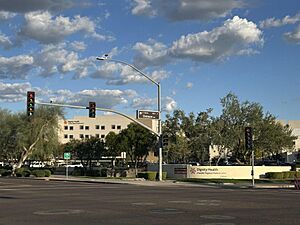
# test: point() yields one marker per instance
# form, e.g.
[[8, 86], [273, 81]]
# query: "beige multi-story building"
[[82, 127]]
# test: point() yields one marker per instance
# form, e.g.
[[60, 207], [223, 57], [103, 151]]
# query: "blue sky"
[[200, 50]]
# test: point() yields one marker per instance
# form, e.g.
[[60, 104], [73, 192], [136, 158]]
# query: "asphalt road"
[[38, 202]]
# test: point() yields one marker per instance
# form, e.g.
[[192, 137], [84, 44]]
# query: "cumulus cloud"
[[5, 42], [235, 35], [150, 54], [103, 98], [294, 36], [178, 10], [168, 104], [16, 67], [272, 22], [120, 74], [78, 45], [21, 6], [143, 7], [42, 27], [14, 92], [6, 15], [53, 59]]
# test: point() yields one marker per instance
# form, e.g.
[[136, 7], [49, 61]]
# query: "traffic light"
[[248, 138], [165, 140], [92, 109], [30, 103]]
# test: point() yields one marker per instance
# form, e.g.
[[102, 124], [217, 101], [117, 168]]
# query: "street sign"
[[146, 114], [67, 155]]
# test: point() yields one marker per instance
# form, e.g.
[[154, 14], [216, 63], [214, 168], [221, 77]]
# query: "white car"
[[75, 165], [37, 164]]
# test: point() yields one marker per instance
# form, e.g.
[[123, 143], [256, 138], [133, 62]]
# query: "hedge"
[[22, 172], [151, 175], [282, 175], [5, 172]]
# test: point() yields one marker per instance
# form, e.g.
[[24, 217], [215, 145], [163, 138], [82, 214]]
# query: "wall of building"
[[82, 127]]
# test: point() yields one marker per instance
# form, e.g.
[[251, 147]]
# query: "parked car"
[[74, 165], [37, 164]]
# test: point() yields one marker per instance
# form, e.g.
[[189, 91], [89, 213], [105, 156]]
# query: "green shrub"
[[164, 175], [78, 171], [93, 172], [47, 173], [5, 172], [103, 172], [149, 175], [19, 172], [275, 175], [39, 173], [26, 173]]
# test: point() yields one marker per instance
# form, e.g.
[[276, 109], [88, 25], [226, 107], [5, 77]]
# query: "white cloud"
[[78, 45], [235, 35], [272, 22], [22, 6], [151, 54], [53, 59], [5, 42], [16, 67], [189, 85], [169, 104], [143, 7], [178, 10], [14, 92], [293, 36], [120, 74], [103, 98], [42, 27], [6, 15]]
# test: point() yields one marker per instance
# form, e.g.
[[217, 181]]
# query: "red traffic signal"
[[92, 109], [30, 103]]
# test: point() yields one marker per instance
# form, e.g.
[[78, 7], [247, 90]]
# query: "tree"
[[269, 135], [87, 150], [9, 131], [136, 141], [37, 135], [112, 144]]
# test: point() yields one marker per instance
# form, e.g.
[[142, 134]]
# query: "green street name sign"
[[67, 155]]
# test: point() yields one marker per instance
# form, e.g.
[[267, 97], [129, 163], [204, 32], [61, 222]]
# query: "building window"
[[65, 136], [113, 127], [81, 135], [81, 127], [97, 127], [66, 127], [71, 136], [119, 127], [102, 136], [71, 128], [102, 127], [87, 127], [97, 135], [87, 136]]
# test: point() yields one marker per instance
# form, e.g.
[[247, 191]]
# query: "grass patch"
[[234, 181]]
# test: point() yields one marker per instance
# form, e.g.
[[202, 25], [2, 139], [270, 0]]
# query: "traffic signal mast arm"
[[100, 109]]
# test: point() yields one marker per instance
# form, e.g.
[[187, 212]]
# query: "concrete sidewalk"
[[169, 183]]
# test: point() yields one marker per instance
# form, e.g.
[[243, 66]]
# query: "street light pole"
[[159, 131]]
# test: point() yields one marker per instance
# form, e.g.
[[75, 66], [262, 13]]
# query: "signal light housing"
[[30, 103], [248, 138], [92, 109]]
